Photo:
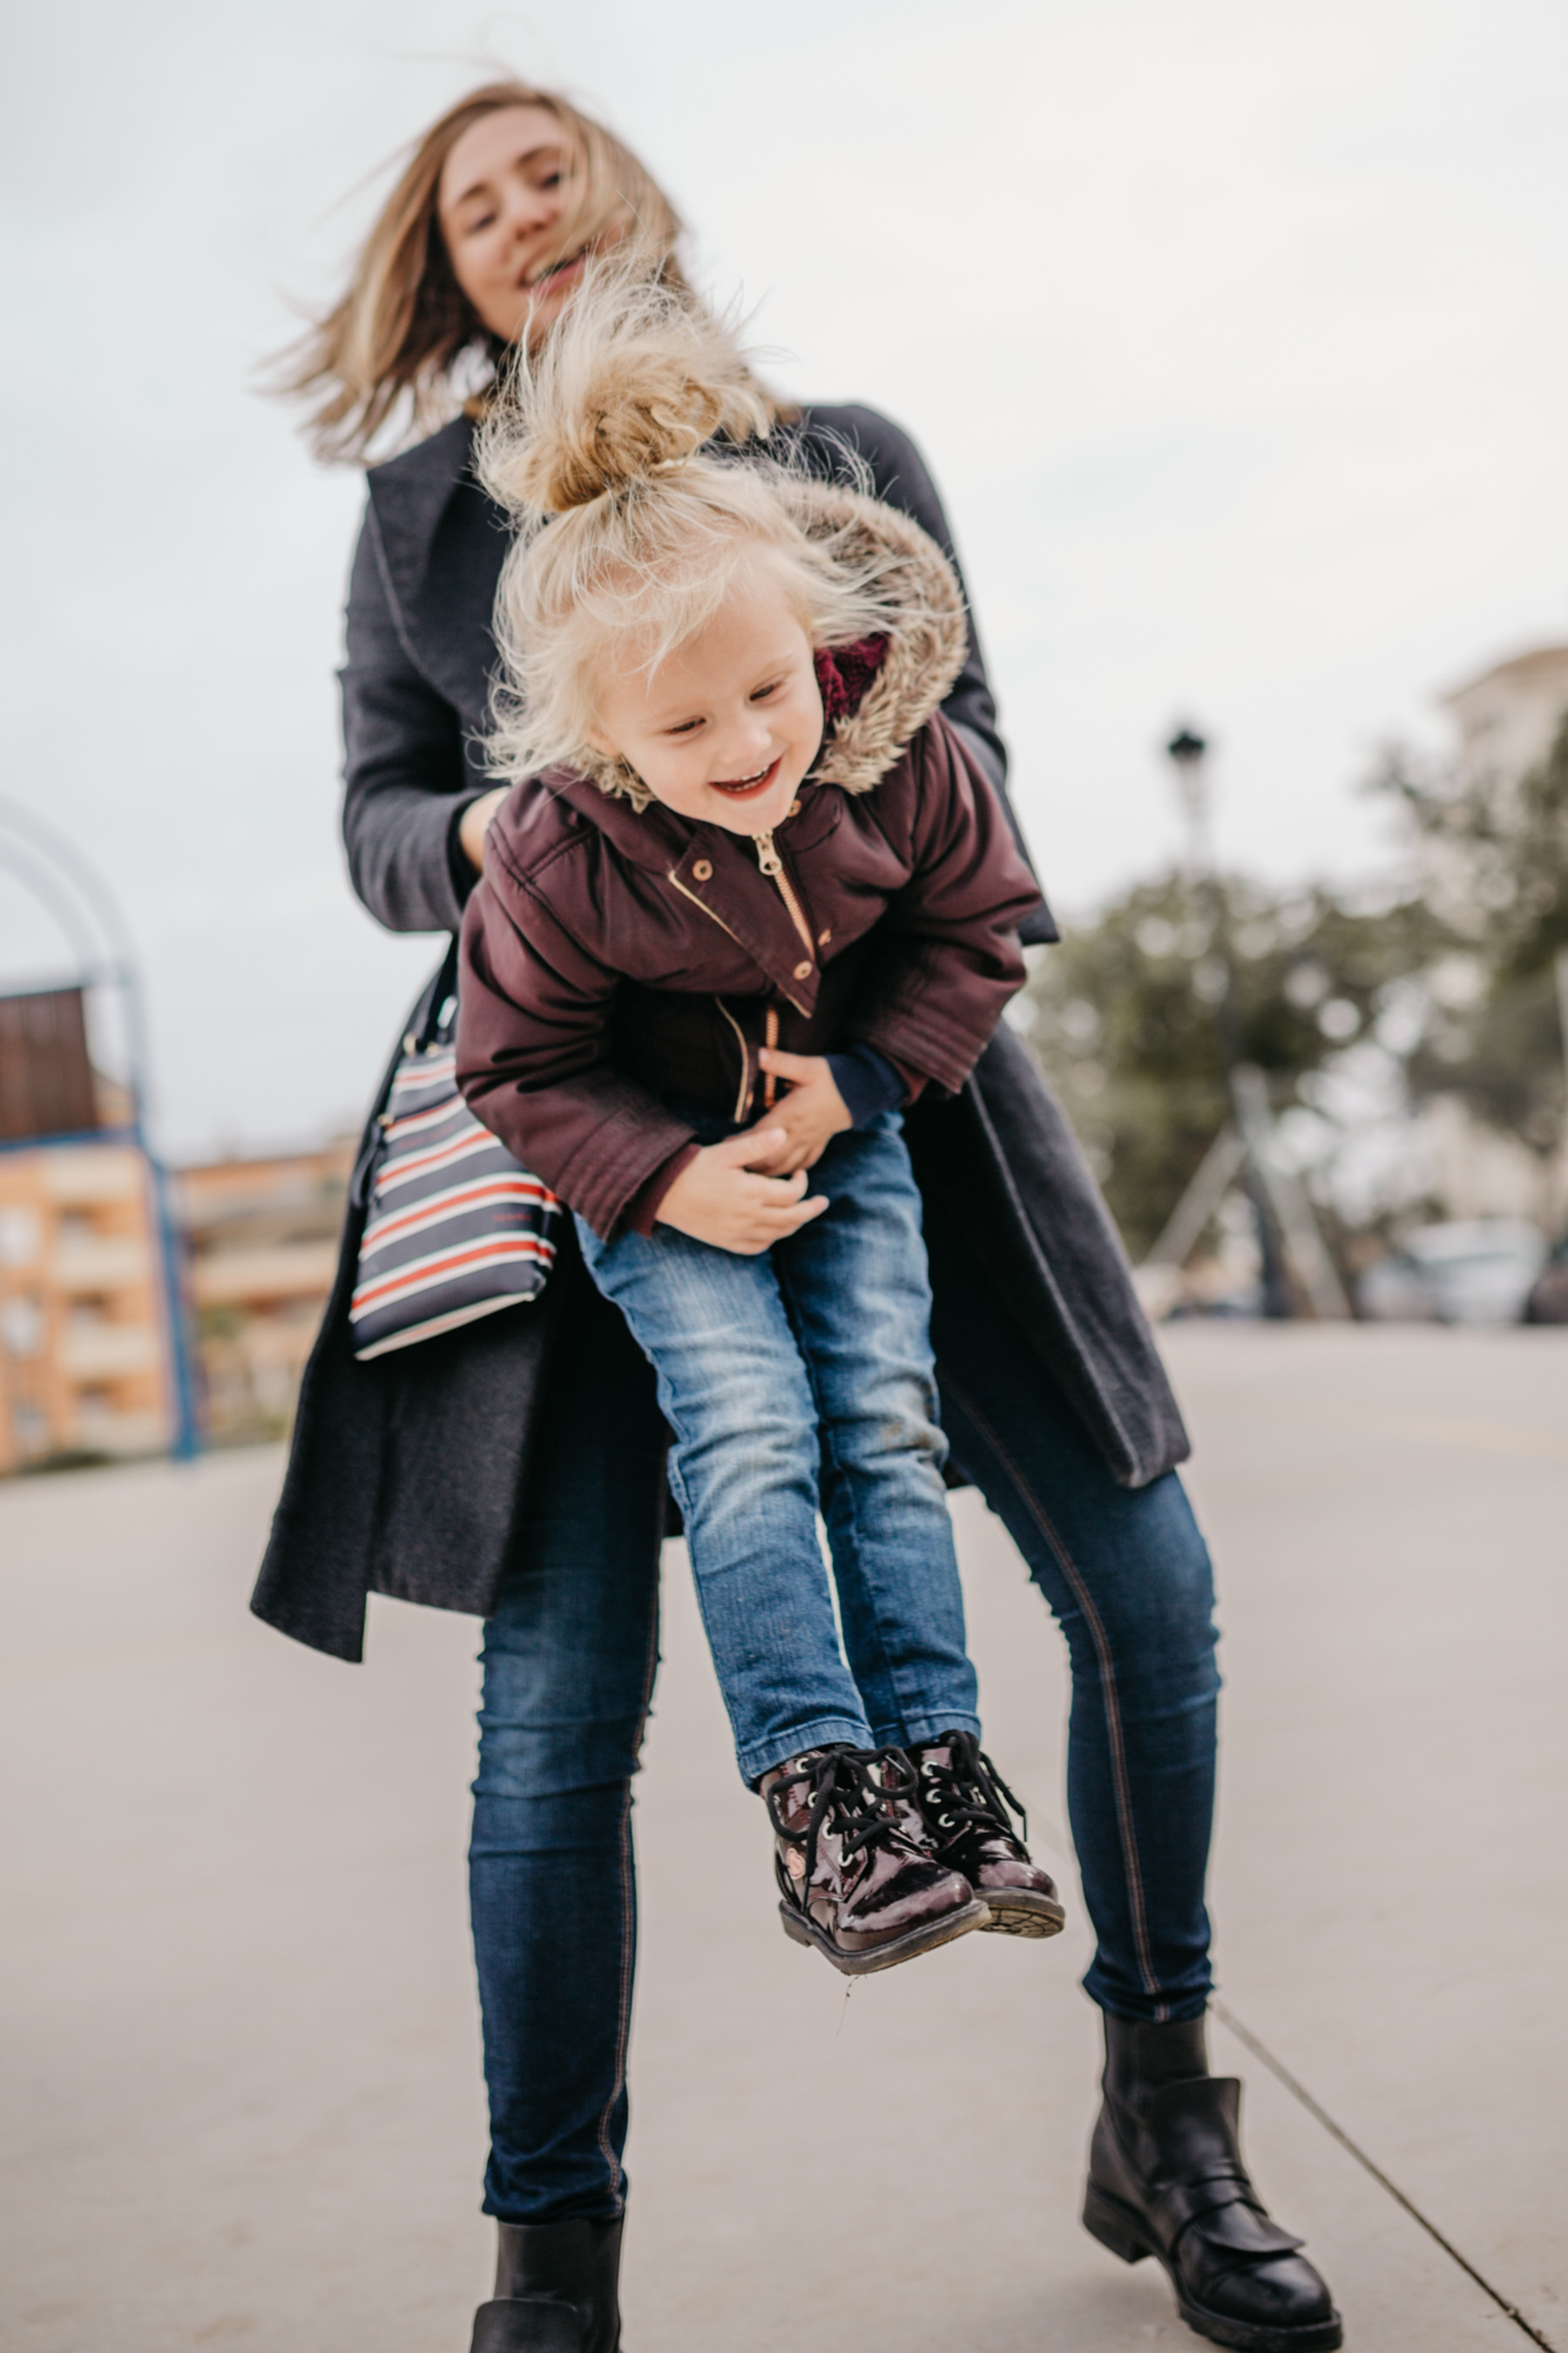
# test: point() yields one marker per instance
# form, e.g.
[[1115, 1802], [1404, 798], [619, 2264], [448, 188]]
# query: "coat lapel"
[[443, 544]]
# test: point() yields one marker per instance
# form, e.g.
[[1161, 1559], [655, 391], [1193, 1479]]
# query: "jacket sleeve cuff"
[[641, 1213], [866, 1082]]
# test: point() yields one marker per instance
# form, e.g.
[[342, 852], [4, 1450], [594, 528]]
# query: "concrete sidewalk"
[[241, 2099]]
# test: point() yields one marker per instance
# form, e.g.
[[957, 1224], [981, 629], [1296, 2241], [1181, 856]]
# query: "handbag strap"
[[426, 1029], [440, 1007]]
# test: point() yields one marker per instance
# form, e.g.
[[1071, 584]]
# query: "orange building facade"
[[88, 1367], [262, 1246], [84, 1352]]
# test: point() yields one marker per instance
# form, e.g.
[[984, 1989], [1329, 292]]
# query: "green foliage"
[[1502, 1056], [1138, 1017], [1500, 859]]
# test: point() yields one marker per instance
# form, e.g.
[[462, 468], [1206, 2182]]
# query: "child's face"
[[727, 726]]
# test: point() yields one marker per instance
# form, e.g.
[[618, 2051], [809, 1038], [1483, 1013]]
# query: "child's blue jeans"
[[798, 1377]]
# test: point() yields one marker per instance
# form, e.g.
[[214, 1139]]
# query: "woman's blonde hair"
[[617, 448], [397, 339]]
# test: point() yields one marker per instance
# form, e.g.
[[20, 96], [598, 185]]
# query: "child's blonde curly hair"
[[617, 448]]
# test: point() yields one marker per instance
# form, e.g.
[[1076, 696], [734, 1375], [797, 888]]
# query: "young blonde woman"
[[516, 1468]]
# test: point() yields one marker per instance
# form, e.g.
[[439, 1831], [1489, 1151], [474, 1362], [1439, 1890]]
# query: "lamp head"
[[1186, 747]]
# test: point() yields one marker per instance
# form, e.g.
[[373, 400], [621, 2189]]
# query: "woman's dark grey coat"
[[405, 1475]]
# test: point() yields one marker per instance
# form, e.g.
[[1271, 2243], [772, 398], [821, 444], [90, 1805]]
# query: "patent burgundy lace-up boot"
[[964, 1803], [856, 1876], [557, 2290], [1166, 2178]]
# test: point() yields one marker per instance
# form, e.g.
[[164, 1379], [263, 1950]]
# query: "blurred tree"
[[1137, 1017], [1497, 863], [1138, 1014]]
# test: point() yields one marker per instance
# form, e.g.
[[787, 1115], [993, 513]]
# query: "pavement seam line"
[[1298, 2091]]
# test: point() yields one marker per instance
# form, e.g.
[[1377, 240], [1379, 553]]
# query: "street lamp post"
[[1188, 753]]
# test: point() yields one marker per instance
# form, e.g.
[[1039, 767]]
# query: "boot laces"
[[970, 1793], [852, 1790]]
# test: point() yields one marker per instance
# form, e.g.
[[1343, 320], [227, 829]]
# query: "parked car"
[[1548, 1301], [1475, 1271]]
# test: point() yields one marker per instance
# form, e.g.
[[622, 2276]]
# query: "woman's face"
[[506, 193]]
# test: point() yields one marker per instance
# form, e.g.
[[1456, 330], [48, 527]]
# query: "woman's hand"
[[475, 823], [720, 1197], [809, 1116]]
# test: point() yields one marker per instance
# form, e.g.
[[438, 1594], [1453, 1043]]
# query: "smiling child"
[[749, 898]]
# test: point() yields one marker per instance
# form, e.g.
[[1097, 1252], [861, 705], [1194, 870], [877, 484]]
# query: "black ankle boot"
[[557, 2290], [1166, 2178]]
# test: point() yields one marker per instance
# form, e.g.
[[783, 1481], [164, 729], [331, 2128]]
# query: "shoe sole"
[[1024, 1915], [1125, 2232], [907, 1948]]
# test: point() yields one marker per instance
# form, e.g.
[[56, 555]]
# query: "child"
[[748, 899]]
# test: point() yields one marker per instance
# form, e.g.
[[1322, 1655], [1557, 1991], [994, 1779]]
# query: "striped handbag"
[[454, 1228]]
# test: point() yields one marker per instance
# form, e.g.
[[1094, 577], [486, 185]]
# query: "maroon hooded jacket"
[[611, 954]]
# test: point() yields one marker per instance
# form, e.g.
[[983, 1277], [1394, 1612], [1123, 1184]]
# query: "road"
[[240, 2100]]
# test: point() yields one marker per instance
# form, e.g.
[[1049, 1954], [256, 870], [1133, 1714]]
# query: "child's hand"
[[720, 1197], [475, 823], [810, 1116]]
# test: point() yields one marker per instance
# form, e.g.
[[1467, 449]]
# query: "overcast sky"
[[1236, 337]]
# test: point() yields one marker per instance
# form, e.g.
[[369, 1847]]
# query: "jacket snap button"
[[803, 972], [825, 935], [704, 870], [794, 810]]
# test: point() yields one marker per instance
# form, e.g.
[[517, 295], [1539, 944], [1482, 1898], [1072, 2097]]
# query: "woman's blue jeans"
[[569, 1660], [808, 1368]]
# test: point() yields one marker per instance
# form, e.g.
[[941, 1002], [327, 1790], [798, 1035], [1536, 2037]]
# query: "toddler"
[[747, 900]]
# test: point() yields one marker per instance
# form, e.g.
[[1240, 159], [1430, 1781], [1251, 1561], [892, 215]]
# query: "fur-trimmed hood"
[[884, 701]]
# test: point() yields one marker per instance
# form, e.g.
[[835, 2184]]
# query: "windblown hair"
[[617, 448], [397, 344]]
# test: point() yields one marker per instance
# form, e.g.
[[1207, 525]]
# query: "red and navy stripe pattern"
[[456, 1229]]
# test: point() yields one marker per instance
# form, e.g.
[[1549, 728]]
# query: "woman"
[[515, 1468]]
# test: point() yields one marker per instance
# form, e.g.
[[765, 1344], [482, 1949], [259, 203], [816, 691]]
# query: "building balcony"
[[101, 1263], [96, 1352], [88, 1176], [267, 1277]]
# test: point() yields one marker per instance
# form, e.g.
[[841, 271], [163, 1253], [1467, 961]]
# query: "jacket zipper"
[[772, 867], [790, 902], [771, 1039]]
